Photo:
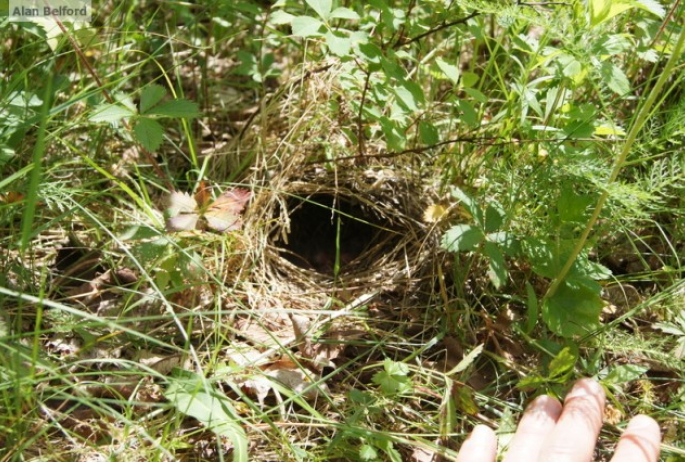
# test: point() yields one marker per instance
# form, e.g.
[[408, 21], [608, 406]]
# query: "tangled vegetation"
[[245, 230]]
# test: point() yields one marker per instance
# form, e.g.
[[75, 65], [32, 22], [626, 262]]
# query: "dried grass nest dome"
[[367, 224]]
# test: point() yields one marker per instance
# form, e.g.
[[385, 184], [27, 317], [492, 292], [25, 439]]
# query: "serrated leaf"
[[322, 7], [306, 26], [611, 45], [181, 202], [624, 373], [190, 396], [280, 17], [223, 215], [594, 270], [151, 95], [110, 113], [367, 452], [149, 133], [393, 378], [669, 328], [184, 222], [614, 78], [573, 310], [562, 364], [176, 108], [450, 71], [462, 238], [343, 13], [531, 382], [223, 222]]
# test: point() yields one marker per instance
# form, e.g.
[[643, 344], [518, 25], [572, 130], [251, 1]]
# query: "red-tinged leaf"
[[180, 202], [202, 195], [222, 222], [232, 201], [12, 197], [184, 222]]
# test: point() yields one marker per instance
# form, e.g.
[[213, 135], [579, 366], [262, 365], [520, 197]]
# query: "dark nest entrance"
[[331, 234]]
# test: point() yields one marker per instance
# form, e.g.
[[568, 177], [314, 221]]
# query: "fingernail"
[[544, 409], [478, 432], [641, 423], [585, 387]]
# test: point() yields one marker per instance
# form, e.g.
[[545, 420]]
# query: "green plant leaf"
[[611, 45], [367, 452], [410, 94], [468, 113], [497, 271], [429, 133], [531, 382], [148, 132], [322, 7], [190, 396], [599, 11], [343, 13], [394, 137], [466, 360], [573, 206], [110, 113], [370, 53], [494, 217], [562, 364], [532, 310], [470, 205], [573, 310], [652, 6], [624, 373], [450, 71], [306, 26], [393, 378], [151, 95], [339, 46], [462, 238], [180, 108], [614, 78], [280, 17]]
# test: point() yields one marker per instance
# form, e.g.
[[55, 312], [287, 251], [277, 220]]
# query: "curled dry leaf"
[[434, 213], [287, 374], [222, 215]]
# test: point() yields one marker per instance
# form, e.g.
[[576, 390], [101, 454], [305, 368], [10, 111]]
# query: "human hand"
[[550, 432]]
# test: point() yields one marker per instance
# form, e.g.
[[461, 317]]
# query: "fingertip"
[[578, 426], [639, 442], [480, 446], [586, 388]]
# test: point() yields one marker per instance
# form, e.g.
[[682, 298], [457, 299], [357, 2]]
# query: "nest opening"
[[329, 231]]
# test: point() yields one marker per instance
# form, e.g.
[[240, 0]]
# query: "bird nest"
[[326, 232]]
